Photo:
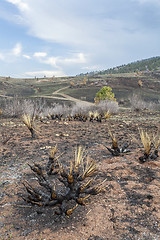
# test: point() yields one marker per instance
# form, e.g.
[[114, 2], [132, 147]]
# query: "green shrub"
[[105, 94]]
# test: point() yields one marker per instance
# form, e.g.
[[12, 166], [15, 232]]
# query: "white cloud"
[[89, 28], [96, 34], [22, 5], [78, 58], [51, 61], [17, 49], [61, 23], [92, 68], [59, 62], [10, 55], [1, 56], [40, 54], [45, 73], [26, 56]]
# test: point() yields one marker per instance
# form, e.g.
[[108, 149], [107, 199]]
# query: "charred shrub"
[[115, 150], [65, 186], [150, 145]]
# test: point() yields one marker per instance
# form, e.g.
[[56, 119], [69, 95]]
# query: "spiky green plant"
[[76, 179]]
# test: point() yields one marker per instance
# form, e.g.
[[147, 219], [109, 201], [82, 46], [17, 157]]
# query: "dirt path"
[[69, 98], [57, 91], [65, 97]]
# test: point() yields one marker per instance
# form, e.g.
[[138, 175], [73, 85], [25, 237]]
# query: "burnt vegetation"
[[150, 145], [67, 183], [62, 186], [115, 150], [28, 120]]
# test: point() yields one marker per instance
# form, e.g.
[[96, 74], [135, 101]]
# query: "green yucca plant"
[[28, 120], [77, 180]]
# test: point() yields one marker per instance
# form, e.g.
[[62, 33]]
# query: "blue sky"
[[68, 37]]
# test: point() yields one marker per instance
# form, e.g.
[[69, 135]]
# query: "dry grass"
[[140, 84], [53, 151], [114, 140], [146, 141], [156, 140], [96, 114], [28, 120], [107, 115]]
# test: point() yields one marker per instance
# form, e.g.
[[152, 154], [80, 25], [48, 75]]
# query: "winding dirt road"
[[65, 97]]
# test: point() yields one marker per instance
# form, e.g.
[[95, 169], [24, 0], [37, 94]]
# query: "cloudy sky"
[[68, 37]]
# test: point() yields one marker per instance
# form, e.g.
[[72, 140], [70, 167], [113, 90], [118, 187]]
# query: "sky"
[[68, 37]]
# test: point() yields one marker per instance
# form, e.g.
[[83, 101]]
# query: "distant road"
[[60, 96], [69, 98], [65, 97], [57, 91]]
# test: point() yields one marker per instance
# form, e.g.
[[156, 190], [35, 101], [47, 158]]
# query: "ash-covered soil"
[[127, 208]]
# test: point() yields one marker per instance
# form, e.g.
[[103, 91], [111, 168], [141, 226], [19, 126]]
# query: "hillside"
[[72, 89], [150, 64]]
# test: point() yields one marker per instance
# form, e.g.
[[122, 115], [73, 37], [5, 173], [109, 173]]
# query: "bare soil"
[[127, 208]]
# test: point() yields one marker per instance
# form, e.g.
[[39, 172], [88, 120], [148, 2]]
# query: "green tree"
[[105, 94]]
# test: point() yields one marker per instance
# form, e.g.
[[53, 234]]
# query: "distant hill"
[[150, 64], [64, 90]]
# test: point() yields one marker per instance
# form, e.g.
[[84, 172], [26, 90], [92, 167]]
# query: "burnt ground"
[[127, 208]]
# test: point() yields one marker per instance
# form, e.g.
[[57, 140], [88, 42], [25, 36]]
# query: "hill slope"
[[67, 89], [150, 64]]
